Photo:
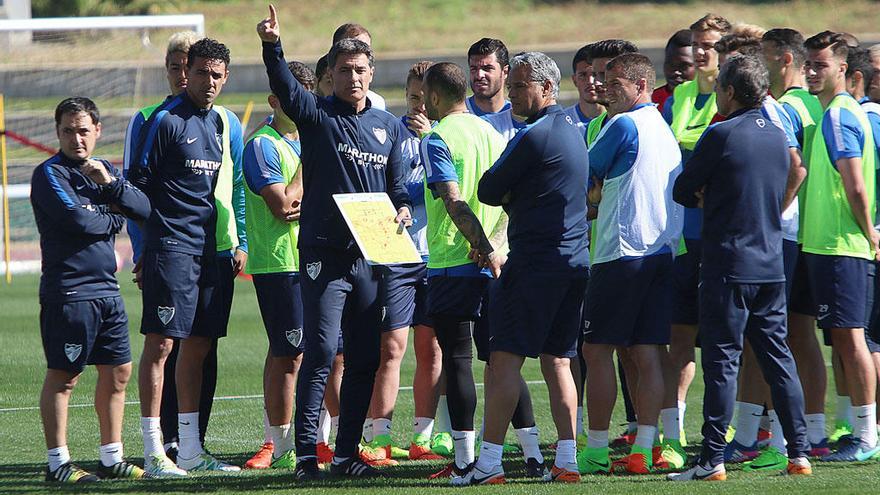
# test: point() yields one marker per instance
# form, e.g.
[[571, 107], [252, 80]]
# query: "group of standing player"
[[640, 222]]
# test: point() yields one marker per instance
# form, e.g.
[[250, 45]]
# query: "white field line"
[[227, 397]]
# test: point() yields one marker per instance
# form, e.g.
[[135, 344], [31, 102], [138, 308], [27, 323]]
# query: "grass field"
[[235, 429]]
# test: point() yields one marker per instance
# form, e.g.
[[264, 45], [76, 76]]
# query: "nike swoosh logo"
[[698, 476], [81, 186], [603, 465], [185, 424], [863, 417], [191, 140], [757, 415], [479, 481], [692, 127], [822, 317]]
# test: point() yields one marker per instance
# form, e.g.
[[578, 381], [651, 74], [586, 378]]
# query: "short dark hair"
[[582, 55], [321, 67], [788, 40], [77, 104], [829, 39], [681, 39], [417, 71], [749, 78], [348, 46], [488, 46], [712, 22], [634, 66], [850, 39], [859, 60], [447, 79], [611, 48], [208, 49], [730, 43], [303, 74], [349, 30]]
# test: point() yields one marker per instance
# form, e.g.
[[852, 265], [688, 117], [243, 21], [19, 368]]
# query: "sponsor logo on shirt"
[[362, 158], [202, 167]]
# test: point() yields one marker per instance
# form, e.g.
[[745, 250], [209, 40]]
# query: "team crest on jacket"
[[295, 336], [72, 351], [165, 313], [380, 134], [313, 269]]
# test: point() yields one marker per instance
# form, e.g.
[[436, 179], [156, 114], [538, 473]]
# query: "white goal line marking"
[[227, 397]]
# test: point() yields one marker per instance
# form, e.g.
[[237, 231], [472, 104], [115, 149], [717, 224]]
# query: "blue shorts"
[[685, 282], [460, 297], [171, 292], [843, 288], [873, 331], [536, 313], [280, 302], [79, 333], [628, 302], [215, 297], [407, 296], [482, 331], [800, 299]]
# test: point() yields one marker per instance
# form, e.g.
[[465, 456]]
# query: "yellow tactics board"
[[370, 218]]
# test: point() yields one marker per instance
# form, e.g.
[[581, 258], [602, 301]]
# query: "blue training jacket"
[[176, 160], [544, 172], [78, 221], [343, 151]]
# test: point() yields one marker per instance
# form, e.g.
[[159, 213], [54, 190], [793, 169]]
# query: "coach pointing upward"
[[347, 147]]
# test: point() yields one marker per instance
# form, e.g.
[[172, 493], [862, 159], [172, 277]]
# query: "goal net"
[[115, 61]]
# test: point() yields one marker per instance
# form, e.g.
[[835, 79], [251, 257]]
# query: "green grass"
[[235, 429], [443, 26]]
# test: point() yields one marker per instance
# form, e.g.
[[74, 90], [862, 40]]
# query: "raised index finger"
[[272, 15]]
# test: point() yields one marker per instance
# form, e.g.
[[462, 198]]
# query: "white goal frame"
[[194, 21]]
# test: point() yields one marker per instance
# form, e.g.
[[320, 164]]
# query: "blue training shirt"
[[261, 163], [580, 120], [544, 172], [844, 136], [343, 151], [474, 109], [78, 221], [743, 164]]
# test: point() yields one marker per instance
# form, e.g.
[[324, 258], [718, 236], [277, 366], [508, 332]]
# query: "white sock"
[[579, 422], [334, 427], [367, 430], [645, 436], [815, 427], [339, 460], [151, 429], [566, 450], [841, 412], [632, 426], [490, 456], [170, 445], [381, 426], [110, 453], [464, 447], [777, 440], [669, 419], [422, 427], [267, 435], [682, 408], [747, 423], [597, 438], [324, 427], [528, 440], [850, 415], [765, 423], [188, 433], [865, 424], [58, 457], [442, 423], [282, 439]]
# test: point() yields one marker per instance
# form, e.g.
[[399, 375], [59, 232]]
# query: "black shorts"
[[843, 288], [76, 334], [280, 301], [628, 302], [536, 313], [801, 294], [171, 292], [685, 282], [407, 297], [456, 296], [215, 297]]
